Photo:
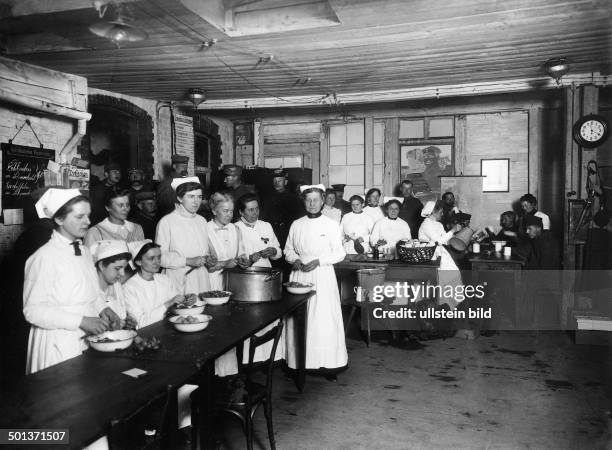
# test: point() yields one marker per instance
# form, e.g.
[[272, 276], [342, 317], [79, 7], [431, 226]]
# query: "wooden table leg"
[[300, 337], [206, 425]]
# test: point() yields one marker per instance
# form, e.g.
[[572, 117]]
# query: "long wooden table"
[[85, 393]]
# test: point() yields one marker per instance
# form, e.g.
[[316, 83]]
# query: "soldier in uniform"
[[281, 207], [145, 213], [341, 204], [112, 172], [234, 186], [166, 197]]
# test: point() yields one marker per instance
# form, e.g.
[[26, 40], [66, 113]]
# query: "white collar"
[[127, 225]]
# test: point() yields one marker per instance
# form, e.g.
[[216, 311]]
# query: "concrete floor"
[[510, 391]]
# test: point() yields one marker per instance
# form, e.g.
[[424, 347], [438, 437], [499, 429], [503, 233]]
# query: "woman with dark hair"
[[356, 228], [61, 292], [111, 257], [329, 209], [182, 236], [149, 294], [372, 207], [313, 247], [115, 226], [390, 229]]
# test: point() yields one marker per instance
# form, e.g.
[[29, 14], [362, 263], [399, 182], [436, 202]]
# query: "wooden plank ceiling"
[[355, 45]]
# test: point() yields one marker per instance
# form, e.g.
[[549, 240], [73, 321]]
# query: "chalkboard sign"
[[22, 172]]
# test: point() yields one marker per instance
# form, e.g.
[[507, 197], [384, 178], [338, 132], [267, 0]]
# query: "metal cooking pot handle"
[[272, 276]]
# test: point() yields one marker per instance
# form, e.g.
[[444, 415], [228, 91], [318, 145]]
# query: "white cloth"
[[114, 298], [545, 220], [60, 289], [108, 248], [356, 226], [257, 237], [226, 242], [176, 182], [145, 300], [390, 231], [182, 235], [448, 273], [309, 239], [332, 212], [106, 230], [375, 212]]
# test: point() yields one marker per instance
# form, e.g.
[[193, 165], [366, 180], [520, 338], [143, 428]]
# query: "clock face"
[[592, 130]]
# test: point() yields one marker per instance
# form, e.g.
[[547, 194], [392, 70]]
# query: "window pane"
[[379, 133], [354, 154], [354, 133], [292, 161], [337, 175], [379, 153], [441, 127], [337, 135], [337, 156], [354, 175], [272, 162], [412, 129]]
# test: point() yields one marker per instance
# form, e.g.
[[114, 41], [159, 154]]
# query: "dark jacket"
[[545, 253], [281, 209], [411, 213]]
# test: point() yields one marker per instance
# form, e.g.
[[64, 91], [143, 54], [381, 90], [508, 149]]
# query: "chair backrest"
[[127, 432], [272, 334]]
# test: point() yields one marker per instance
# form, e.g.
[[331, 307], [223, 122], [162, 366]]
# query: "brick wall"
[[53, 131], [498, 135]]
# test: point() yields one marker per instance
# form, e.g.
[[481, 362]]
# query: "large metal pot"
[[254, 284]]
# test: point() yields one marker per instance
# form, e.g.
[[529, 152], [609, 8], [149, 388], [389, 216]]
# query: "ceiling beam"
[[456, 90], [18, 8]]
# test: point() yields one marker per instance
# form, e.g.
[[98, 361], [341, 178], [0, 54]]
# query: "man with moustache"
[[166, 197], [281, 207]]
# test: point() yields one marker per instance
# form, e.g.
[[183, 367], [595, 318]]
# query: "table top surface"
[[495, 257], [85, 393], [356, 262]]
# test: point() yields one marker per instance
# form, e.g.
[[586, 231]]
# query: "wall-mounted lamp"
[[556, 68], [196, 96]]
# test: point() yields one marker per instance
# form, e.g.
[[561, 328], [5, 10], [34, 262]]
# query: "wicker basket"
[[414, 255]]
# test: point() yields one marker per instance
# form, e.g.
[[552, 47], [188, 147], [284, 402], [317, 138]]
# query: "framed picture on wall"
[[496, 173], [424, 164]]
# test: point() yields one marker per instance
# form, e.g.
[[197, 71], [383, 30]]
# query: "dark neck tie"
[[77, 248]]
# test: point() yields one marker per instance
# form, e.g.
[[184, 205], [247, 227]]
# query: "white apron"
[[310, 239], [60, 288], [226, 246]]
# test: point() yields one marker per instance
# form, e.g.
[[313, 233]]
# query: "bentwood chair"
[[154, 426], [244, 402]]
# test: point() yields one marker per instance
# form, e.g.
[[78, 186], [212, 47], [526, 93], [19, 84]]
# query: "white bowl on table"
[[299, 289], [203, 321], [196, 308], [109, 341], [214, 301]]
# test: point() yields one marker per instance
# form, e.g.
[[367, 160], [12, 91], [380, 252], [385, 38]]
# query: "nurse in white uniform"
[[183, 238], [356, 228], [432, 230], [314, 245], [261, 246], [372, 207], [111, 257], [388, 230], [149, 294], [226, 242], [61, 292]]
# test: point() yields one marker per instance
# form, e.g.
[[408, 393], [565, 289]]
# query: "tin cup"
[[507, 251], [475, 247]]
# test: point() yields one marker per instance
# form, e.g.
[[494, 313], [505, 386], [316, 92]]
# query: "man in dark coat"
[[341, 204], [411, 208], [449, 210], [166, 197], [145, 213], [281, 207], [112, 173], [545, 254], [234, 186]]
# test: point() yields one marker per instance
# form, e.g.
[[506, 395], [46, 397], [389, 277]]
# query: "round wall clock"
[[591, 130]]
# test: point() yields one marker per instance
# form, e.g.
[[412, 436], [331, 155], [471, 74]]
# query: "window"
[[289, 161], [347, 157]]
